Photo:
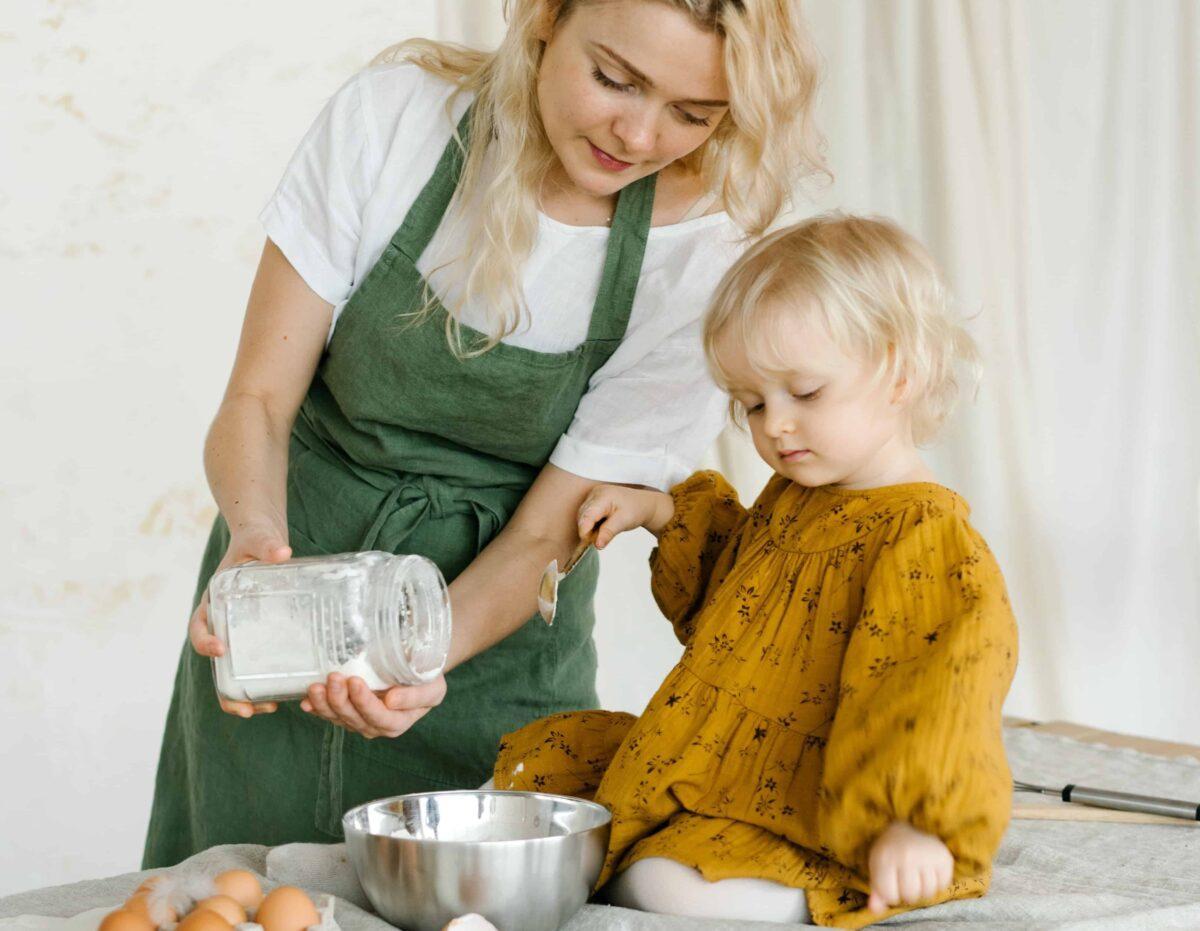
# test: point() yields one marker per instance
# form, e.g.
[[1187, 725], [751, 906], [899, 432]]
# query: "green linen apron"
[[401, 446]]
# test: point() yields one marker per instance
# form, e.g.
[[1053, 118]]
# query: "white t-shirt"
[[651, 410]]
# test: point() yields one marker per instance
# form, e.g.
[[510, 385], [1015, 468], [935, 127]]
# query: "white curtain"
[[1046, 151]]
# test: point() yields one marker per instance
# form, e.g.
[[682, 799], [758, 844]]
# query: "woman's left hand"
[[352, 705]]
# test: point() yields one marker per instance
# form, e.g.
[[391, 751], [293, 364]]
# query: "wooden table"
[[1108, 738]]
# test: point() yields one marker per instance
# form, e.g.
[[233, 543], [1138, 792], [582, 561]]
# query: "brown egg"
[[139, 902], [287, 909], [204, 919], [241, 886], [227, 908], [125, 920]]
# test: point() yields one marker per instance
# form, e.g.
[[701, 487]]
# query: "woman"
[[571, 201]]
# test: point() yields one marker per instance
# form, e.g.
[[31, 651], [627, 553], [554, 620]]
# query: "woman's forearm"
[[497, 593], [245, 459], [245, 455]]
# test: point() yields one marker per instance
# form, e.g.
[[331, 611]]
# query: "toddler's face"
[[627, 88], [828, 421]]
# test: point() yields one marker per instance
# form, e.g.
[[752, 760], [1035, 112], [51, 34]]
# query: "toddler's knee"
[[662, 885], [654, 884]]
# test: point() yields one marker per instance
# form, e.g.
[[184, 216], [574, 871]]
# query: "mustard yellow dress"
[[846, 657]]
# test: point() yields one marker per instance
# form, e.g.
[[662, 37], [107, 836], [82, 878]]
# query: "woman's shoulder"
[[684, 261], [387, 109], [405, 78], [398, 94]]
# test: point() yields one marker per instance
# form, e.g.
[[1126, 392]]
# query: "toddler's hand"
[[907, 866], [612, 509]]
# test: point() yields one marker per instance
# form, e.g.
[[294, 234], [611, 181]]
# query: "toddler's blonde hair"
[[876, 291], [765, 143]]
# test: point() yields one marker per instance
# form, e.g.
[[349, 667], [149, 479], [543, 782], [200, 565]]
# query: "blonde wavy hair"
[[874, 288], [760, 149]]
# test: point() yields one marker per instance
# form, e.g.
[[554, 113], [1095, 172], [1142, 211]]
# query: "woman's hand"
[[349, 703], [907, 866], [612, 509], [262, 540]]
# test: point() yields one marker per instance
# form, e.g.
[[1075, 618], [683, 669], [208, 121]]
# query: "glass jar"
[[287, 625]]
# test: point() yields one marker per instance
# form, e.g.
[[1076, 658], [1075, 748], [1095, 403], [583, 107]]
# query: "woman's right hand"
[[265, 542], [612, 509]]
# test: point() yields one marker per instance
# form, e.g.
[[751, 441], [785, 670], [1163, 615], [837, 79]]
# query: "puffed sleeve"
[[315, 216], [917, 731], [696, 548]]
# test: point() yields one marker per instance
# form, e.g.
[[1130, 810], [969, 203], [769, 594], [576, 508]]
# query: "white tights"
[[657, 884]]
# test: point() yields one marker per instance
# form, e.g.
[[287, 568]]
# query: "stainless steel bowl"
[[524, 860]]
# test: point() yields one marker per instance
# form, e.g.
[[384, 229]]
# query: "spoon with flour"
[[548, 585]]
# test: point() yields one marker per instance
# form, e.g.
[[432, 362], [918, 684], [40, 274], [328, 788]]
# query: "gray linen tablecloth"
[[1049, 874]]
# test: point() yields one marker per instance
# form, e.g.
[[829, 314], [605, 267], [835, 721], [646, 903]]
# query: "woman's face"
[[627, 87]]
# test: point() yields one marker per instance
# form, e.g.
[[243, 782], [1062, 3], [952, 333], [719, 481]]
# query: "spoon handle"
[[1126, 801], [584, 545]]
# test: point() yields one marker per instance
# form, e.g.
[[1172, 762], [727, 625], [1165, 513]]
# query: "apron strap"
[[385, 511], [425, 215], [623, 261]]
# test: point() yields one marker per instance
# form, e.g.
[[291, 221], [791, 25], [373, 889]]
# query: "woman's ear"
[[547, 19]]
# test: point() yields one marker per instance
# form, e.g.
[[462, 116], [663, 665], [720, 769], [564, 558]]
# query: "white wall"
[[139, 141]]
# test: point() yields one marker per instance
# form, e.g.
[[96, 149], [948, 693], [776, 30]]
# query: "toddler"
[[828, 748]]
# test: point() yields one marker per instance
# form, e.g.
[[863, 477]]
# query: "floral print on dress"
[[847, 654]]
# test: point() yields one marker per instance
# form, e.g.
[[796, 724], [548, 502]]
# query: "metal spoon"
[[1120, 801], [548, 584]]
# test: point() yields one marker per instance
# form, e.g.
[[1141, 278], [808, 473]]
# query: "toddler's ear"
[[900, 385]]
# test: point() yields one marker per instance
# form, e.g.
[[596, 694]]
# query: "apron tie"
[[417, 498], [328, 816], [385, 511]]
